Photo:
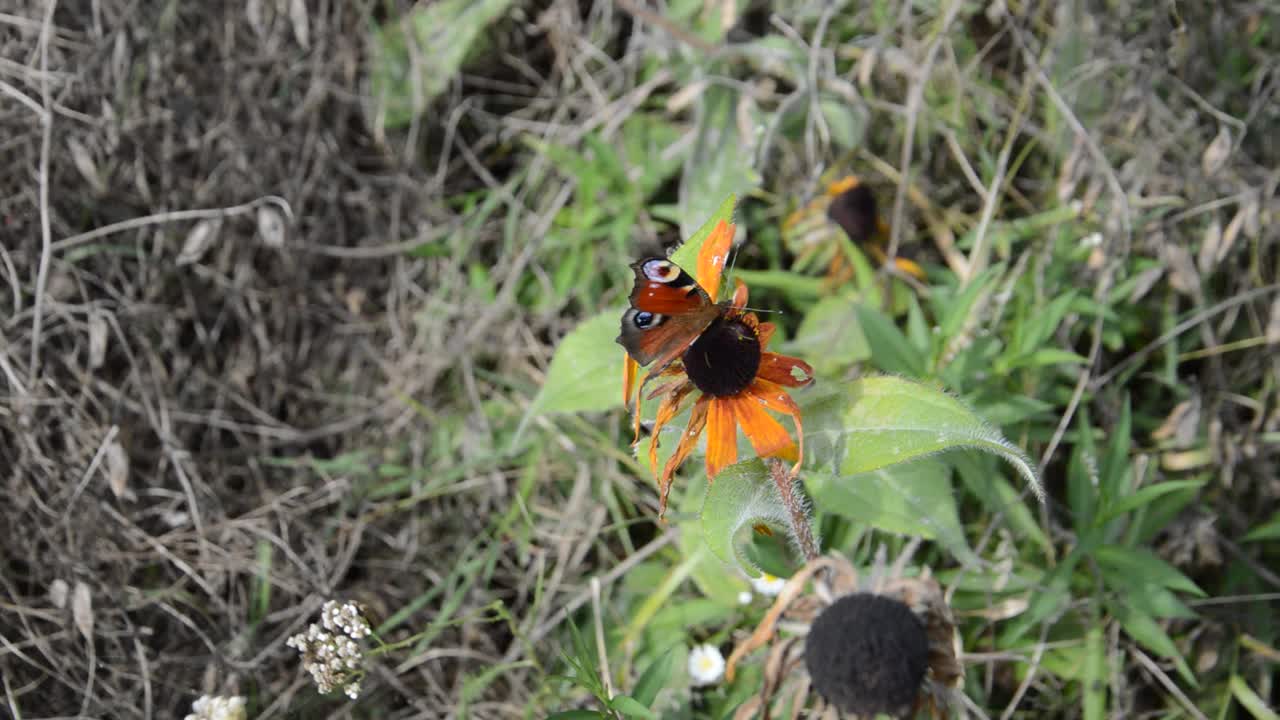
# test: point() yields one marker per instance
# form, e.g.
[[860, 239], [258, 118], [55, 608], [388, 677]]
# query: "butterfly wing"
[[668, 311]]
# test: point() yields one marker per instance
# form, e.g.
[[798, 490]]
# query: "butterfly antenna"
[[763, 310]]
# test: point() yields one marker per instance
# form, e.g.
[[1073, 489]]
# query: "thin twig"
[[174, 216], [46, 239], [601, 649]]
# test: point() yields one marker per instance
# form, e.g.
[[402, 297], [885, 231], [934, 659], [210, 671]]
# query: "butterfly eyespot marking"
[[662, 271], [645, 320]]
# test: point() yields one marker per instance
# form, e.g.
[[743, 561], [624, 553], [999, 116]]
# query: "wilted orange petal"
[[666, 411], [739, 294], [688, 441], [777, 369], [722, 436], [767, 435], [629, 369], [712, 256], [765, 331]]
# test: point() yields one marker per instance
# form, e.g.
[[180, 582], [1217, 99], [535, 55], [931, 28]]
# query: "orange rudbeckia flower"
[[850, 205], [714, 352]]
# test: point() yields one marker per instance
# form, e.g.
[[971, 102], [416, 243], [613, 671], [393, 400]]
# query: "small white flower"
[[768, 585], [706, 665], [744, 597], [217, 708]]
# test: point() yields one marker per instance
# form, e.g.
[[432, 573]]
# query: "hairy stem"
[[797, 509]]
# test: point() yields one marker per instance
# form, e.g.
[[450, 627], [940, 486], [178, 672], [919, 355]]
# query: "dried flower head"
[[866, 654], [331, 653], [217, 708], [887, 645]]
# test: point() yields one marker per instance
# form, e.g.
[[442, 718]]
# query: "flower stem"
[[797, 509]]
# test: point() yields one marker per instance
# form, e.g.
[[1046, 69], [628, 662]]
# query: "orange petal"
[[765, 331], [712, 256], [629, 369], [739, 294], [909, 267], [843, 185], [777, 369], [688, 441], [669, 408], [767, 435], [722, 436], [774, 397]]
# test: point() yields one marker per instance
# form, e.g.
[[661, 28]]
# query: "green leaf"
[[439, 35], [1139, 566], [686, 256], [890, 349], [999, 497], [630, 707], [890, 420], [847, 123], [831, 336], [1146, 495], [1143, 628], [655, 677], [1250, 699], [586, 370], [1270, 530], [742, 499], [911, 499], [1094, 681]]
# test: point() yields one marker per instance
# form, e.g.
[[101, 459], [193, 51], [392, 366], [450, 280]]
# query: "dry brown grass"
[[163, 400]]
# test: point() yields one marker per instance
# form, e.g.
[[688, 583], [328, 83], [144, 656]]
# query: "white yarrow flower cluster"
[[706, 665], [331, 653], [217, 708]]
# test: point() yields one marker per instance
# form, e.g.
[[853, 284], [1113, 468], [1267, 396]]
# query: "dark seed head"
[[725, 357], [867, 654], [855, 211]]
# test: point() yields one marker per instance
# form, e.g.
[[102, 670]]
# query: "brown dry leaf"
[[199, 240], [82, 610], [253, 13], [866, 66], [1252, 221], [1186, 459], [1210, 246], [1215, 156], [1147, 279], [97, 339], [85, 164], [117, 463], [271, 228], [1181, 424], [58, 590], [685, 96], [1273, 322], [300, 20], [1183, 276]]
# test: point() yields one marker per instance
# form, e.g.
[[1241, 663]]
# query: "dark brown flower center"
[[867, 654], [725, 357]]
